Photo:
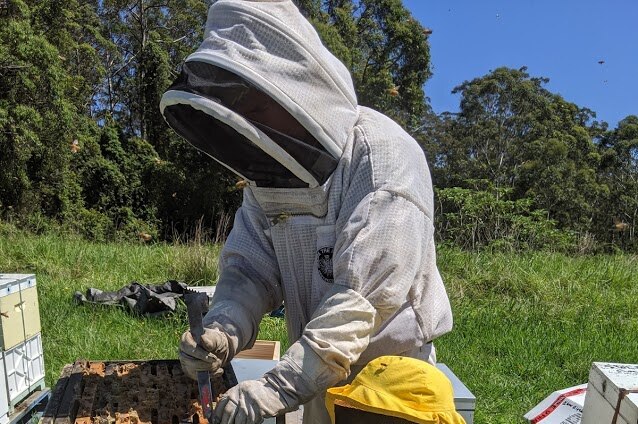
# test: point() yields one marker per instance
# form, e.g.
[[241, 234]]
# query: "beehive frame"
[[128, 392]]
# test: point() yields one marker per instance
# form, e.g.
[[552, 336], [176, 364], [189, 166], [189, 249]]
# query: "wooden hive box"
[[262, 349]]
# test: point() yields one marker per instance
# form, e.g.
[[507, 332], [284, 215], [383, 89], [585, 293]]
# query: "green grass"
[[525, 324], [529, 324], [66, 265]]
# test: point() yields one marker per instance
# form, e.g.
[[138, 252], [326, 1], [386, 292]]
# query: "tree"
[[148, 41], [617, 221], [73, 27], [516, 134], [384, 47], [36, 121]]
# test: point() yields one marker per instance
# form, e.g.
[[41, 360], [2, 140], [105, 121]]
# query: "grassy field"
[[525, 324]]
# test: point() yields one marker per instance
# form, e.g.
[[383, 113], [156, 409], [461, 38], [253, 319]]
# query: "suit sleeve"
[[249, 283]]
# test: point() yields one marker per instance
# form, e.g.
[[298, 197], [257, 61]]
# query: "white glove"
[[250, 402], [210, 354]]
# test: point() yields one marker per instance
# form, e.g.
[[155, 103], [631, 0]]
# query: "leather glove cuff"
[[230, 329], [210, 354]]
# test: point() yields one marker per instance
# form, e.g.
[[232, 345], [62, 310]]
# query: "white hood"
[[274, 49]]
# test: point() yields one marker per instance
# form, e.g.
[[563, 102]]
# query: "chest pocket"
[[323, 276]]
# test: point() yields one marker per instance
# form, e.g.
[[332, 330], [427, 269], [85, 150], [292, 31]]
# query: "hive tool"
[[196, 306]]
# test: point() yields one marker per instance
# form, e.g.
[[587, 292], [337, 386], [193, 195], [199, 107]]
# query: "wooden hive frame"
[[129, 392]]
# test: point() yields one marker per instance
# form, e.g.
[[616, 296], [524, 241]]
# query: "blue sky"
[[559, 39]]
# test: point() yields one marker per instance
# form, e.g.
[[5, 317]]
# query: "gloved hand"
[[250, 402], [210, 354]]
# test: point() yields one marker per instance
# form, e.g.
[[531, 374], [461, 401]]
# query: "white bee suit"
[[343, 234]]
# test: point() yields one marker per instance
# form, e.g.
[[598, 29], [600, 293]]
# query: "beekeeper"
[[336, 219]]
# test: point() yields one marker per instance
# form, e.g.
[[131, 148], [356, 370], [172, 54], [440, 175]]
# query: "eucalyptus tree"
[[519, 136], [618, 219]]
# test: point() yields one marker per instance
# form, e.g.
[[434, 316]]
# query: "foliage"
[[84, 146], [36, 117], [83, 141], [178, 186], [112, 173], [618, 221], [548, 155], [488, 217]]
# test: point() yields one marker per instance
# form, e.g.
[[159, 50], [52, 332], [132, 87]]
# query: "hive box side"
[[464, 400], [11, 321], [262, 349], [30, 308], [606, 380], [24, 369], [560, 407], [4, 399]]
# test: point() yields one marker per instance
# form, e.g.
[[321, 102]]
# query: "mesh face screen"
[[229, 147], [318, 162], [261, 110]]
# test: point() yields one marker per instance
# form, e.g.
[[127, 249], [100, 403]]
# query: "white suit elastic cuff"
[[301, 375]]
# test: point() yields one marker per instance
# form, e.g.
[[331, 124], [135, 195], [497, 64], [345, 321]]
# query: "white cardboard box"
[[611, 387], [561, 407]]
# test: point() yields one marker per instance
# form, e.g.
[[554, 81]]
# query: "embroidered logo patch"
[[324, 263]]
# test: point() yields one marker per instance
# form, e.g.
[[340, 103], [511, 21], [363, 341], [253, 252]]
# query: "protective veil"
[[337, 218]]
